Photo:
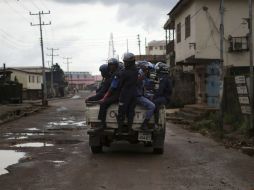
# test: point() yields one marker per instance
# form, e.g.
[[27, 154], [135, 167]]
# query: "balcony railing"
[[170, 48]]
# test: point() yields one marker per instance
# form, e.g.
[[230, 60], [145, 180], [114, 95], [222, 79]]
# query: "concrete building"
[[80, 80], [31, 81], [156, 48], [193, 41]]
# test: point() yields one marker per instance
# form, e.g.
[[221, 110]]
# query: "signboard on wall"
[[243, 94]]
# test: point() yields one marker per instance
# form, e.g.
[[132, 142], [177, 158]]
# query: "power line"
[[14, 10]]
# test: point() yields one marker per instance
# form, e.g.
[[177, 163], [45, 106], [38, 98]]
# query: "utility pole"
[[222, 11], [251, 60], [44, 96], [139, 44], [127, 45], [146, 47], [51, 75], [113, 45], [68, 64]]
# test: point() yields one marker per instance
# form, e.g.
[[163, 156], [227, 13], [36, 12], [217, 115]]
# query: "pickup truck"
[[153, 137]]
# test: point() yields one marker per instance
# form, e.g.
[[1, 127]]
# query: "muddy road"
[[55, 155]]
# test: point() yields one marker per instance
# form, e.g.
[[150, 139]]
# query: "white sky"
[[80, 29]]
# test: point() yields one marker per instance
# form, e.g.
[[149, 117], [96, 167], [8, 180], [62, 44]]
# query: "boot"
[[120, 124], [144, 125], [130, 127]]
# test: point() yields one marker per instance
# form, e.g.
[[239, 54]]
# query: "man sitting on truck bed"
[[112, 95], [164, 91], [128, 91], [141, 99], [105, 84]]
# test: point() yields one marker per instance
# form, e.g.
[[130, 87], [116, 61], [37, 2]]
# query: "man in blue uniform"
[[164, 91], [141, 99], [128, 94], [105, 84], [112, 95]]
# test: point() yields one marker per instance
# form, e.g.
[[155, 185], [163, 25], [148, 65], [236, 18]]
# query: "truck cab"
[[154, 137]]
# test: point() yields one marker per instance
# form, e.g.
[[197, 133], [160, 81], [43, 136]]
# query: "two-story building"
[[193, 40], [156, 48], [80, 80]]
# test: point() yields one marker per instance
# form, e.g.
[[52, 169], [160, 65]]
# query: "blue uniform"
[[128, 94], [112, 96], [141, 99], [162, 94]]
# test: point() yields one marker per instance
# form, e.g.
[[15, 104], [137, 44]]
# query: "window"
[[161, 47], [178, 31], [29, 78], [32, 79], [38, 79], [150, 48], [238, 44], [187, 26]]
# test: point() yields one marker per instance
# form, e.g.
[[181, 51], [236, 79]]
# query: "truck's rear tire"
[[96, 149], [158, 150]]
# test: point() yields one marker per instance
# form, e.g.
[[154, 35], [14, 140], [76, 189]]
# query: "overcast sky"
[[80, 29]]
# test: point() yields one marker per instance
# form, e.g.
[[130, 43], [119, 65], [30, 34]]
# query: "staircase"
[[189, 114]]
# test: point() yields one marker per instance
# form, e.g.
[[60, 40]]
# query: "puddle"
[[61, 109], [33, 129], [65, 123], [75, 97], [17, 138], [7, 158], [58, 162], [33, 145]]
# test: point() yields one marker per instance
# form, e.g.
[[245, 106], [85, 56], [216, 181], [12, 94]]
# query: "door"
[[213, 84]]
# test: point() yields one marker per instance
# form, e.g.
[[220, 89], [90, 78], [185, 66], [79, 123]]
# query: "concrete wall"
[[156, 50], [182, 48], [23, 78], [205, 31]]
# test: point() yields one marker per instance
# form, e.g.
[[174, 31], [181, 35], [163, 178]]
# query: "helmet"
[[142, 64], [104, 70], [113, 61], [161, 68], [151, 66], [129, 59]]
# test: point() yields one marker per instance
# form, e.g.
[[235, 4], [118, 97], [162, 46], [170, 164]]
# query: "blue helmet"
[[142, 65], [113, 61], [129, 60], [104, 70], [161, 68]]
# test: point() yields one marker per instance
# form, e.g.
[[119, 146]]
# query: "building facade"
[[193, 41], [31, 82], [80, 80], [156, 48]]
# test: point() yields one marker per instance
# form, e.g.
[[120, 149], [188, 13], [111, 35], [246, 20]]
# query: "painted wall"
[[23, 78], [205, 31], [182, 48]]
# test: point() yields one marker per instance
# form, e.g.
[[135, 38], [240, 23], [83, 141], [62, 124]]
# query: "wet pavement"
[[53, 153]]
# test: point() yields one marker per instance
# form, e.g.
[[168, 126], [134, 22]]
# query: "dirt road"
[[64, 162]]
